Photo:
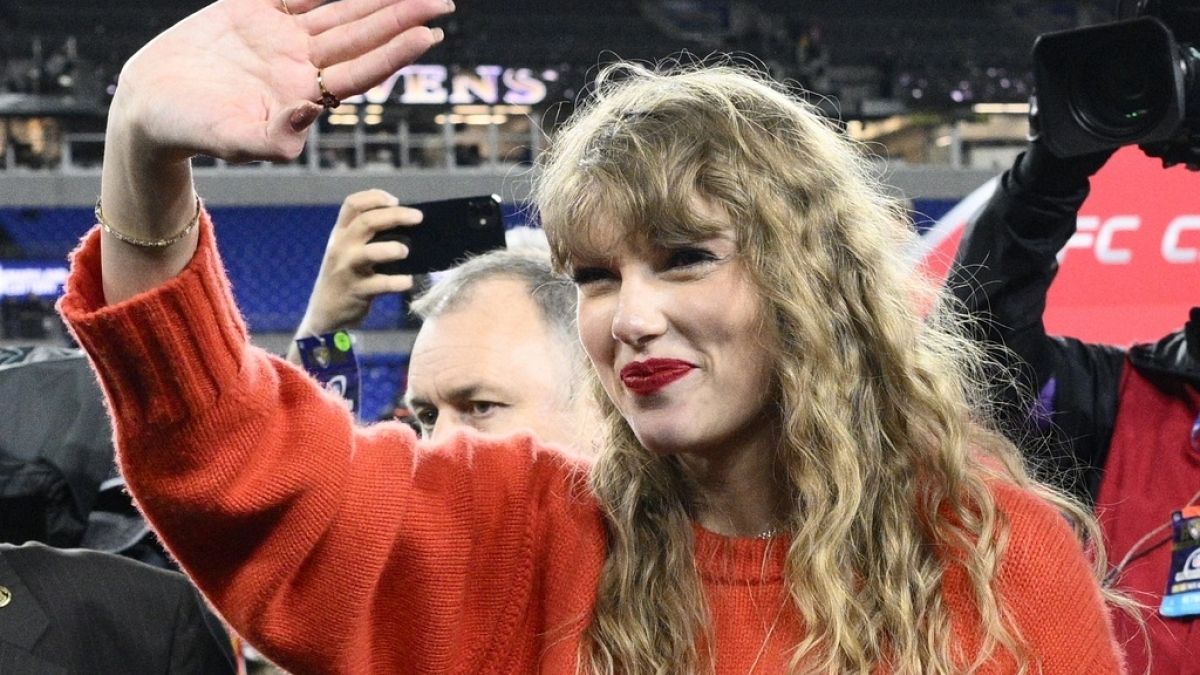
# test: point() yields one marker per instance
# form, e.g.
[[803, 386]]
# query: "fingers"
[[384, 251], [301, 117], [298, 7], [340, 13], [379, 284], [281, 137], [359, 74], [361, 202], [373, 211], [275, 139], [349, 39], [387, 218], [351, 256]]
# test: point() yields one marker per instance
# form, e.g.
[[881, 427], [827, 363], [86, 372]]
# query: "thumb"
[[287, 131], [302, 115]]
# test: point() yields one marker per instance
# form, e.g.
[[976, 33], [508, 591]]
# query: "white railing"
[[339, 148]]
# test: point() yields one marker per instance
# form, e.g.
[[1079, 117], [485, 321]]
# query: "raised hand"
[[238, 79], [348, 282]]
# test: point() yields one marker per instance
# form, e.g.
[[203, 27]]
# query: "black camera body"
[[1129, 82]]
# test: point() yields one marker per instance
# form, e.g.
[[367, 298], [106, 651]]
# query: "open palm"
[[237, 80]]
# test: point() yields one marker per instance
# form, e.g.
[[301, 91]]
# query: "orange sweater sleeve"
[[1050, 590], [331, 548]]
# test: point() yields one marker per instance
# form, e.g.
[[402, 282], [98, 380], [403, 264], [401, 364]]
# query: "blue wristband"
[[331, 360]]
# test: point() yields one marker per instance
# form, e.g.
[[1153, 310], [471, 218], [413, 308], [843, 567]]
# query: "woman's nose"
[[639, 317]]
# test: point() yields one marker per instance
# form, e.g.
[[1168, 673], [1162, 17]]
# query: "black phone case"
[[452, 231]]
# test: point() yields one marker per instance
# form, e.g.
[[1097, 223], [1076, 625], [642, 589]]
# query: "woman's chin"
[[664, 441]]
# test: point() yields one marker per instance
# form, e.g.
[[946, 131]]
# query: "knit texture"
[[341, 549]]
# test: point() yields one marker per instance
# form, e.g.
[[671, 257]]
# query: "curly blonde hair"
[[884, 432]]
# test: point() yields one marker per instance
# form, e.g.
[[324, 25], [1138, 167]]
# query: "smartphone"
[[452, 231]]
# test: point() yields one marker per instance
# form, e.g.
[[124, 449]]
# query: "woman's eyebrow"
[[579, 260]]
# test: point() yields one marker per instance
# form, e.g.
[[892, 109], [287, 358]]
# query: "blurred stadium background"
[[937, 88]]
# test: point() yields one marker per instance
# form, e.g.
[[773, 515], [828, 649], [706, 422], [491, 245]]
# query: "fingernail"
[[438, 34], [303, 117], [450, 4]]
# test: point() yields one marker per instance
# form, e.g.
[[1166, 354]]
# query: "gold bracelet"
[[148, 243]]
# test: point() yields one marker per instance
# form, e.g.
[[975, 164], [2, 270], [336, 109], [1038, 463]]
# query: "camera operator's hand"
[[1043, 172], [1173, 153], [347, 282]]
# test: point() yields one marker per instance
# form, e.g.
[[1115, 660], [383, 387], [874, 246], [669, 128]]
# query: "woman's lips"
[[649, 376]]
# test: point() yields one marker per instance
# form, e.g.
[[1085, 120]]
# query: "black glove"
[[1041, 171], [1175, 151]]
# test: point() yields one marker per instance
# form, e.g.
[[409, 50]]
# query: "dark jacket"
[[77, 611], [1117, 422], [1002, 273], [58, 481]]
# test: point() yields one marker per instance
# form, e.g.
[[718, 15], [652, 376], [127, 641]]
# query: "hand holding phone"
[[451, 231], [364, 258], [347, 282]]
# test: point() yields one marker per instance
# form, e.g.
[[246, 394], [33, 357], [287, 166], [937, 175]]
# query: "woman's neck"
[[740, 490]]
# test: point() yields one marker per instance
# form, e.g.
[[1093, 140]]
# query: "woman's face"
[[674, 335]]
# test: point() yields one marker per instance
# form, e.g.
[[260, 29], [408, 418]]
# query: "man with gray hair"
[[497, 351]]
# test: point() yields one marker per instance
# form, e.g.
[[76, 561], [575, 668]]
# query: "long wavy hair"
[[885, 436]]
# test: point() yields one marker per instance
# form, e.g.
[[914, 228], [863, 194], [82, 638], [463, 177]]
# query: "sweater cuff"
[[163, 355]]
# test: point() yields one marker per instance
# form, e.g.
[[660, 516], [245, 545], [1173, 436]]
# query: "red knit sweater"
[[341, 549]]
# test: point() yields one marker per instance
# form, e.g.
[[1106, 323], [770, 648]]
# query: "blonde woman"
[[797, 478]]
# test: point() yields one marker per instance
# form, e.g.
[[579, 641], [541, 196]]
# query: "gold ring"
[[328, 100], [286, 9]]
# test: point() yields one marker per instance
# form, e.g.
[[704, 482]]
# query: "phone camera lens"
[[479, 214]]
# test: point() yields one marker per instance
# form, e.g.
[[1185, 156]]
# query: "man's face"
[[491, 364]]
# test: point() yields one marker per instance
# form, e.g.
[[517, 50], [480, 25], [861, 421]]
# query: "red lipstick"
[[649, 376]]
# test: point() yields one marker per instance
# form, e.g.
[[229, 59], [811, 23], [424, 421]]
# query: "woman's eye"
[[686, 257], [586, 275]]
